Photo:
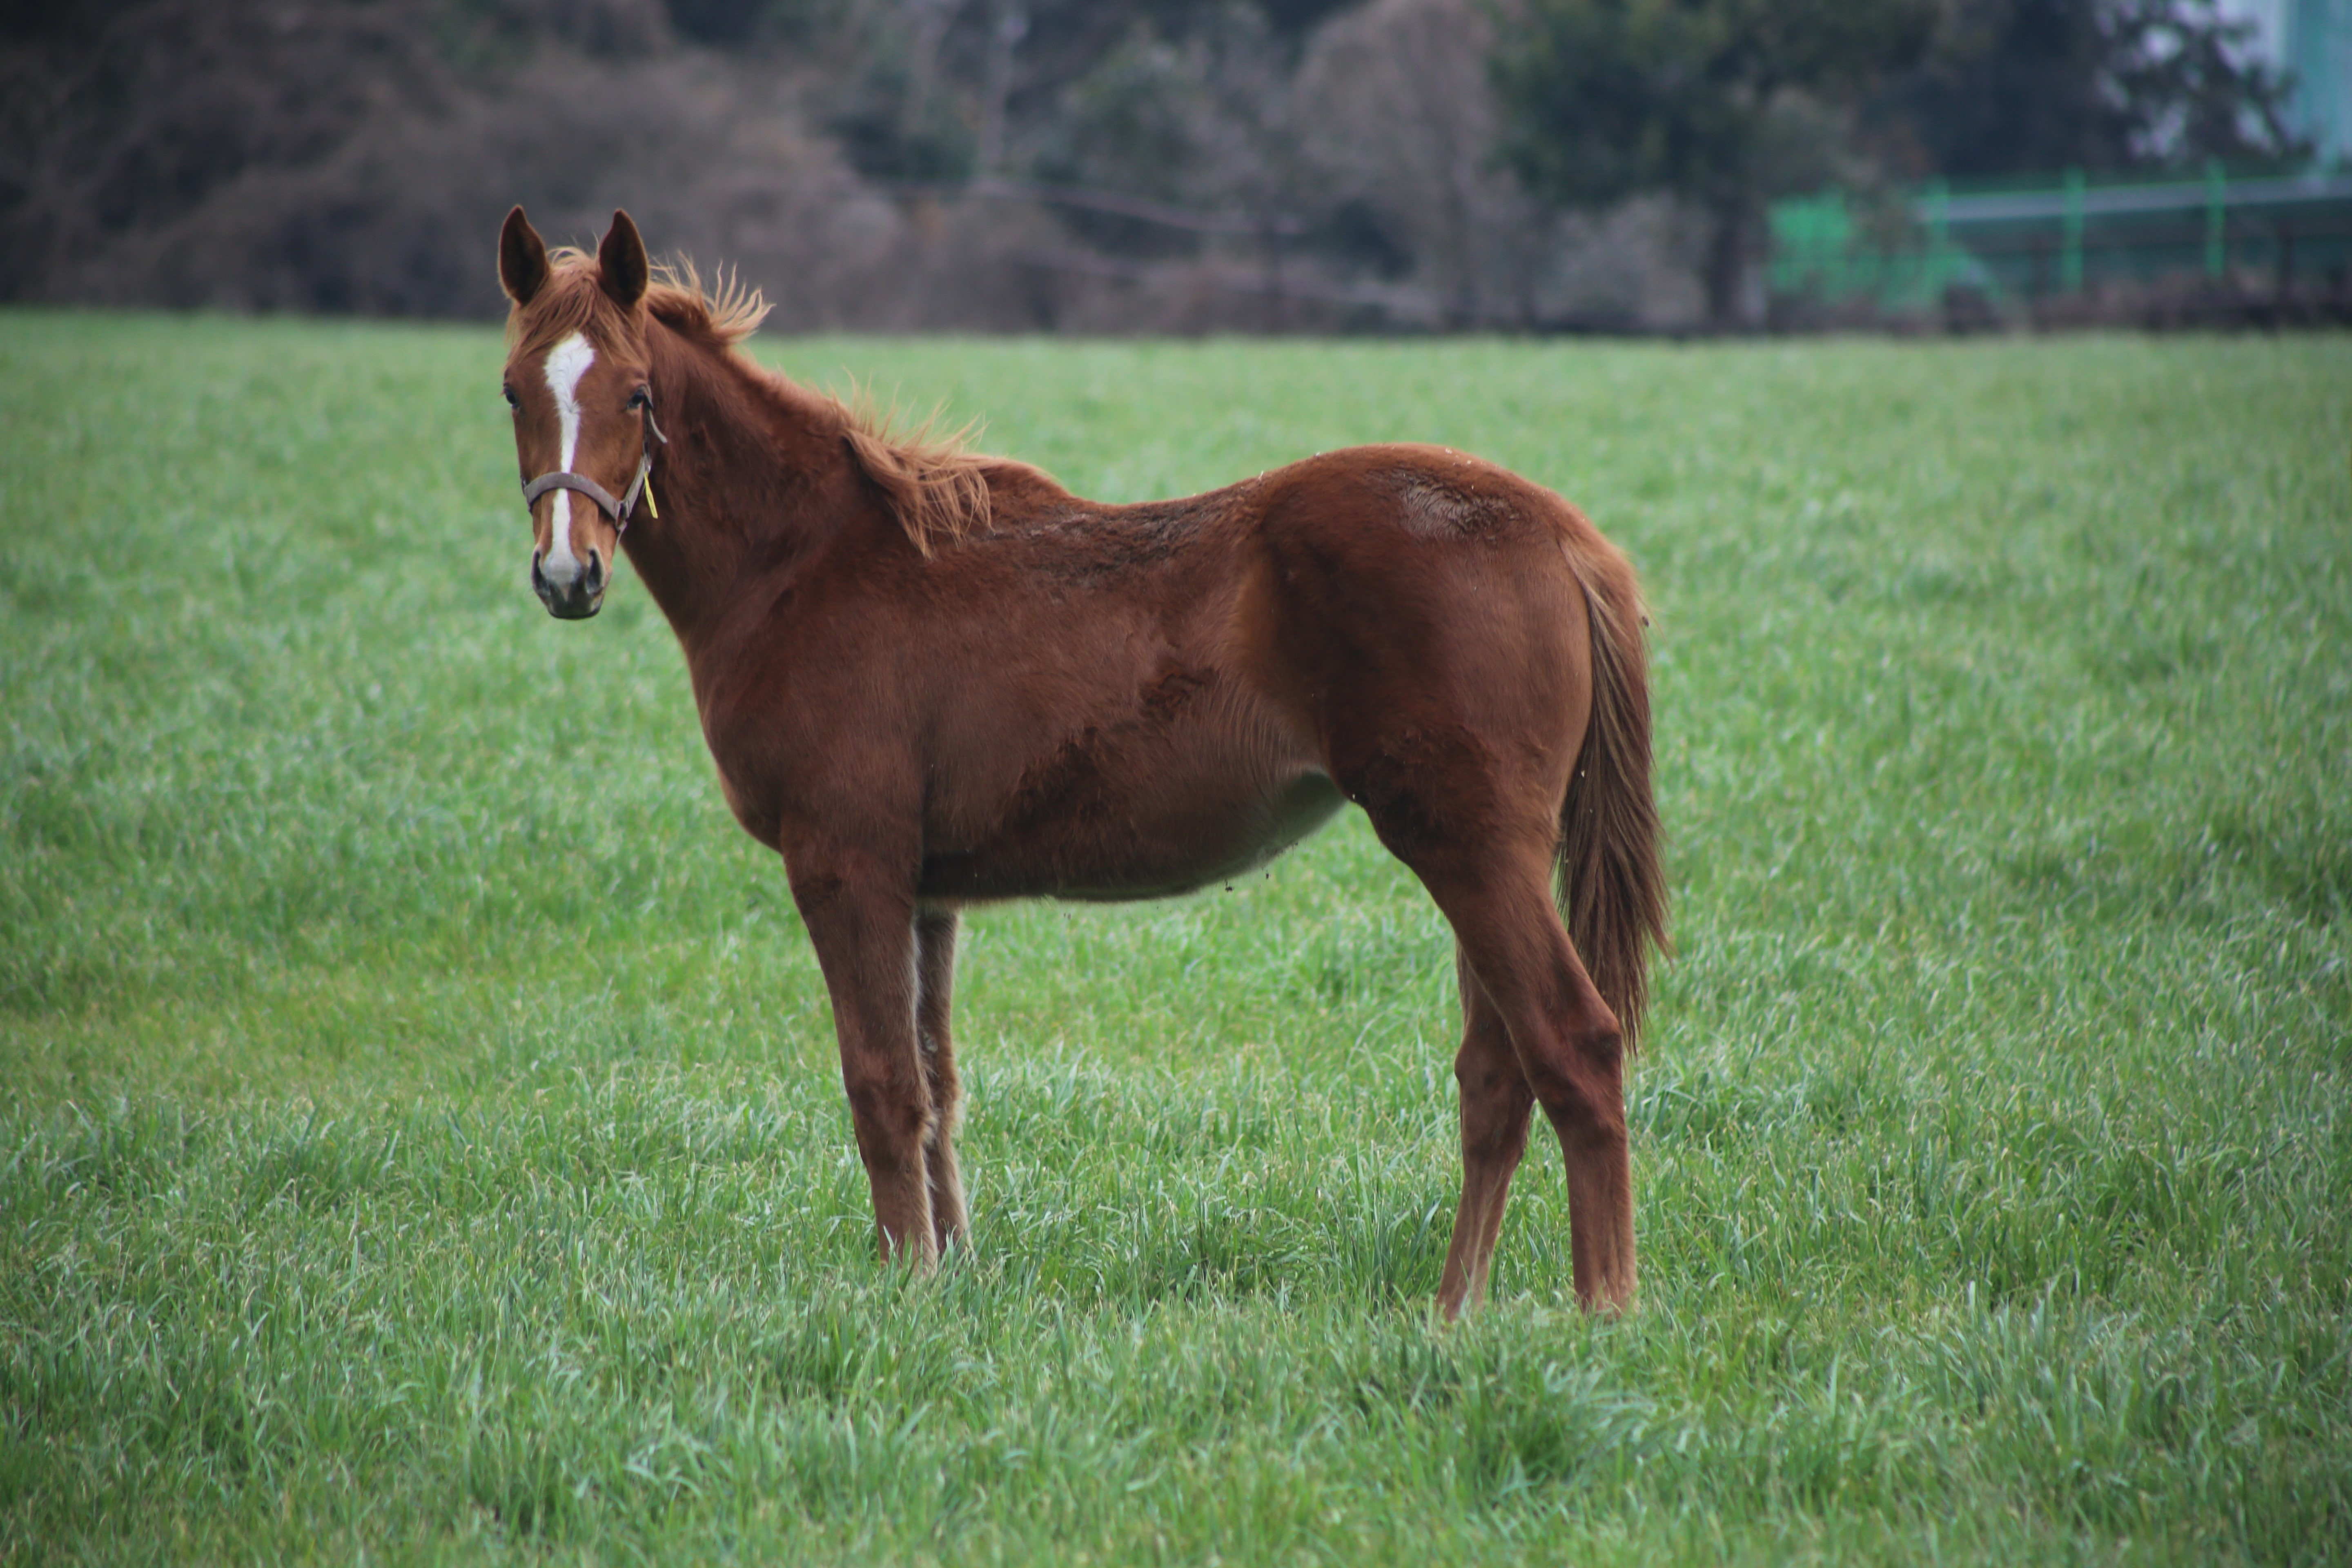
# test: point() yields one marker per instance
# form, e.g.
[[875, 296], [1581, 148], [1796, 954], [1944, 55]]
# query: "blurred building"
[[2312, 41]]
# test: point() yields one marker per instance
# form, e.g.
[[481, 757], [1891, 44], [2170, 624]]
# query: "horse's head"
[[576, 378]]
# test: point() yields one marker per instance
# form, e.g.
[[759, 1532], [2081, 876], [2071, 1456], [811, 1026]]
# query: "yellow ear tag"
[[649, 499]]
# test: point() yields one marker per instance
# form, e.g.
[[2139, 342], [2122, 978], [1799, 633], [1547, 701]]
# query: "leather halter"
[[618, 511]]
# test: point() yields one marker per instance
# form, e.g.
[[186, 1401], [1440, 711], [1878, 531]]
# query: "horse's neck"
[[744, 488]]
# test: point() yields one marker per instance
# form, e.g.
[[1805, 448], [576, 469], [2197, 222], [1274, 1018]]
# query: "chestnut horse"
[[931, 679]]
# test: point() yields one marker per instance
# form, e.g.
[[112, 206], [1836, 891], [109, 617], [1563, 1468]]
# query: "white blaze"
[[567, 361]]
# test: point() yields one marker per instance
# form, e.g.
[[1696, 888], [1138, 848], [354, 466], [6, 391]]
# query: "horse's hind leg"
[[935, 945], [1496, 1105], [1566, 1040]]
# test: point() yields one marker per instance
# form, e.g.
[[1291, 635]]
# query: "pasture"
[[421, 1136]]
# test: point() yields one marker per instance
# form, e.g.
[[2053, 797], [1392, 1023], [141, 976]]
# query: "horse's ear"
[[623, 261], [522, 258]]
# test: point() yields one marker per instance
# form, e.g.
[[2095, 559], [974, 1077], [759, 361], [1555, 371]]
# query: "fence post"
[[2070, 252], [1939, 235], [2216, 209], [1838, 262]]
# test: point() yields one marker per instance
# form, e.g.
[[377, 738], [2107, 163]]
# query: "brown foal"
[[930, 679]]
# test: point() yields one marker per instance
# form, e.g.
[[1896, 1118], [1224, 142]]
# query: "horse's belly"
[[1183, 835]]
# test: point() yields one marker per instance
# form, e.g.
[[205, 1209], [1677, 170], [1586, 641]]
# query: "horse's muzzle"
[[573, 599]]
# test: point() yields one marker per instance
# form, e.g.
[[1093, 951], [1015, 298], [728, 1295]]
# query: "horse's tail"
[[1612, 886]]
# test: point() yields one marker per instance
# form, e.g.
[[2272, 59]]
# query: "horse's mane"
[[572, 300], [936, 488]]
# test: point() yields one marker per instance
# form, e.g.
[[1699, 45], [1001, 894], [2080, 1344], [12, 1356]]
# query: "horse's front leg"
[[863, 927], [935, 948]]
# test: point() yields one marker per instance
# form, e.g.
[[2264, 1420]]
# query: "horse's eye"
[[512, 401], [640, 398]]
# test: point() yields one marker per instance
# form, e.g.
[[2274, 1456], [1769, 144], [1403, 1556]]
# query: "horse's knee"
[[943, 1085], [889, 1111], [947, 1114], [940, 1069]]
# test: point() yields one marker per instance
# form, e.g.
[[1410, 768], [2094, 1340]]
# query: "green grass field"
[[420, 1136]]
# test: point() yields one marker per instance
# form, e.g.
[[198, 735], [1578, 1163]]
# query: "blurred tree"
[[1396, 114], [731, 24], [1196, 116], [946, 89], [1718, 102], [2024, 87], [124, 119]]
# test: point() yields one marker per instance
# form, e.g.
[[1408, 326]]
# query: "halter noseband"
[[618, 511]]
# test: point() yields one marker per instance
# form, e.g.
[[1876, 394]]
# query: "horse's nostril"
[[595, 570]]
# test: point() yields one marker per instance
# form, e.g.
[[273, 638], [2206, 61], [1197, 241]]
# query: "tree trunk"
[[927, 27], [1731, 305], [1012, 25]]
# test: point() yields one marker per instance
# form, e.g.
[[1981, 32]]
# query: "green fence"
[[1905, 252]]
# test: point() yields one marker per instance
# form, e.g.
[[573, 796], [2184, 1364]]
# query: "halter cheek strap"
[[618, 511]]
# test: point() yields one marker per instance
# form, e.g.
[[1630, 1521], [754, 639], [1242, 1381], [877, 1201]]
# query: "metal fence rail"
[[1908, 251]]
